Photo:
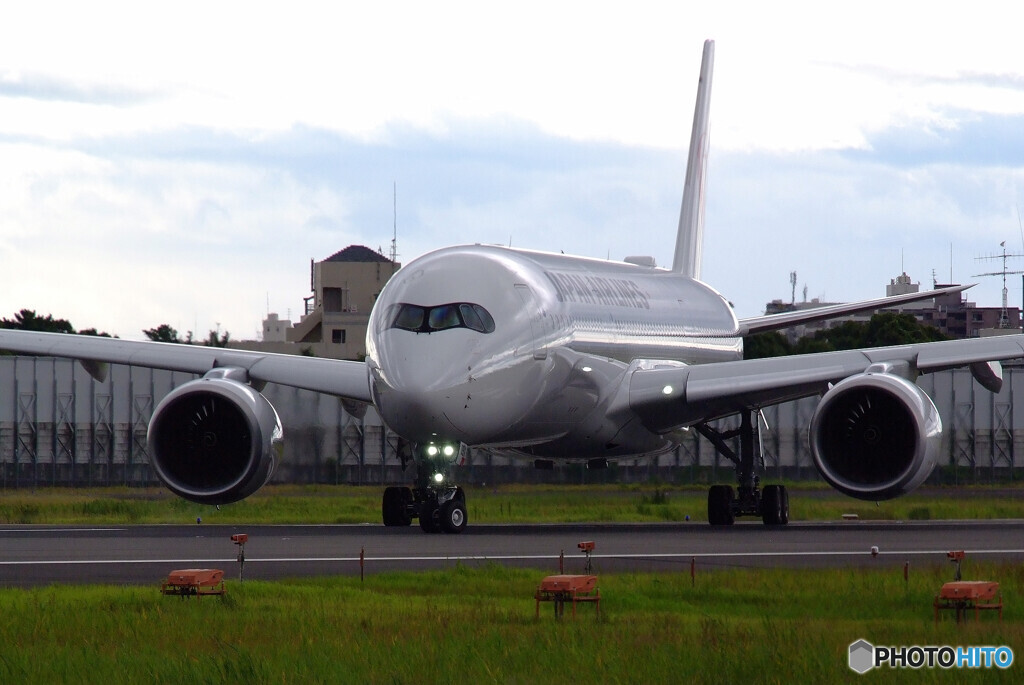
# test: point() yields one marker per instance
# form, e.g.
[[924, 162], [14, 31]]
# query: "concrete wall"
[[60, 427]]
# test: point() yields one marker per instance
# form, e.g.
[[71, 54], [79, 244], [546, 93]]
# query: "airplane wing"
[[345, 379], [673, 396], [774, 322]]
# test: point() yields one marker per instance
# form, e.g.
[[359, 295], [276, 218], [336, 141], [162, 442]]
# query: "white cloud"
[[175, 164]]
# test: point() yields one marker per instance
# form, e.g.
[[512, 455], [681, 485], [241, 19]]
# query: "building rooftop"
[[358, 253]]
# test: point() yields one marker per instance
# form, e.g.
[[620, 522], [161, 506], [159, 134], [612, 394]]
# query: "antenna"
[[394, 215], [1020, 226], [1004, 318], [792, 284]]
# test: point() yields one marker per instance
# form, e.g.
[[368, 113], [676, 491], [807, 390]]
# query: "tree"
[[884, 329], [761, 345], [28, 320], [215, 339], [163, 333], [167, 334]]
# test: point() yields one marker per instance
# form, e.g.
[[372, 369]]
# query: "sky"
[[182, 163]]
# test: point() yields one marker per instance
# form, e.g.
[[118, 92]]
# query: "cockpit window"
[[445, 316], [412, 317]]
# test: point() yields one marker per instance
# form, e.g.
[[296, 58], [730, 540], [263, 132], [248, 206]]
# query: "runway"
[[37, 555]]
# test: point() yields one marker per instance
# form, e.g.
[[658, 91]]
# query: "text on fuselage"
[[618, 292]]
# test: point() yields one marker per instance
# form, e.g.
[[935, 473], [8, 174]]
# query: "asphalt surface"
[[37, 555]]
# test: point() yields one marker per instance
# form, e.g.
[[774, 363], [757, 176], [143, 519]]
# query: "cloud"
[[46, 87], [970, 139], [194, 226]]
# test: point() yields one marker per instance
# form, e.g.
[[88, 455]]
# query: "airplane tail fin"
[[690, 239]]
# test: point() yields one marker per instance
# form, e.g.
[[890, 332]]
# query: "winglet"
[[690, 239]]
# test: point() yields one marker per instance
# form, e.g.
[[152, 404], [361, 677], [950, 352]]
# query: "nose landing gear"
[[439, 506]]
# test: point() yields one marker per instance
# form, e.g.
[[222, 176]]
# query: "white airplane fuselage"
[[544, 380]]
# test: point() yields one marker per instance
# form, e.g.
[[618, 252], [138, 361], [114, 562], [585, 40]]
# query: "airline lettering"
[[617, 292]]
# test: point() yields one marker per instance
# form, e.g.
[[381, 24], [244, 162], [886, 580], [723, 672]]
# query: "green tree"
[[93, 331], [884, 329], [761, 345], [28, 320], [215, 339], [163, 333]]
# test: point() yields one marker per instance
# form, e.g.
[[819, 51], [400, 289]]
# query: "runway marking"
[[504, 557], [62, 530]]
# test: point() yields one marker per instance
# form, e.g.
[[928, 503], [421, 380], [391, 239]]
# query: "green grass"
[[505, 504], [474, 625]]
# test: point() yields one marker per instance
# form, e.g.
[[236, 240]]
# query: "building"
[[275, 329], [952, 314], [958, 318], [345, 287]]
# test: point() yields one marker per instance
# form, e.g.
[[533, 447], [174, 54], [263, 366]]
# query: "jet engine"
[[875, 436], [215, 440]]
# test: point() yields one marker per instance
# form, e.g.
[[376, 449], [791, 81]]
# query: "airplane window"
[[471, 318], [445, 316], [485, 317], [411, 317]]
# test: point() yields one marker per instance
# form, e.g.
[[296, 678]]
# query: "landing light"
[[438, 477], [586, 369], [449, 450], [432, 451], [667, 390]]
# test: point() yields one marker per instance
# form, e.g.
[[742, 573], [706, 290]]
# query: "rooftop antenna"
[[792, 283], [1020, 226], [1004, 318], [394, 215]]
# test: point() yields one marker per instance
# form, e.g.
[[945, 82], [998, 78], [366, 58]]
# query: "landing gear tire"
[[395, 506], [720, 499], [775, 505], [453, 515], [430, 520]]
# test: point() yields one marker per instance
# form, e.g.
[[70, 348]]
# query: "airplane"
[[553, 357]]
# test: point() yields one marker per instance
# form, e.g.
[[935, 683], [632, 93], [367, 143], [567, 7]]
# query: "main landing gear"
[[748, 499], [438, 506]]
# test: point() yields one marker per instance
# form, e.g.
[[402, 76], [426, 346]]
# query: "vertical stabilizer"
[[690, 240]]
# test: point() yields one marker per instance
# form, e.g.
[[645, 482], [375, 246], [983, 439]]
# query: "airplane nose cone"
[[417, 383]]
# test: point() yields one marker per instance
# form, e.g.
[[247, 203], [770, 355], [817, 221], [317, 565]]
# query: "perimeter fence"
[[60, 427]]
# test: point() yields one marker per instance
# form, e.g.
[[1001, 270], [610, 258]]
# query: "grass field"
[[477, 625], [506, 504]]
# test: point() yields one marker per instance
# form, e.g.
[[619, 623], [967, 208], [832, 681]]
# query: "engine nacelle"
[[215, 440], [875, 436]]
